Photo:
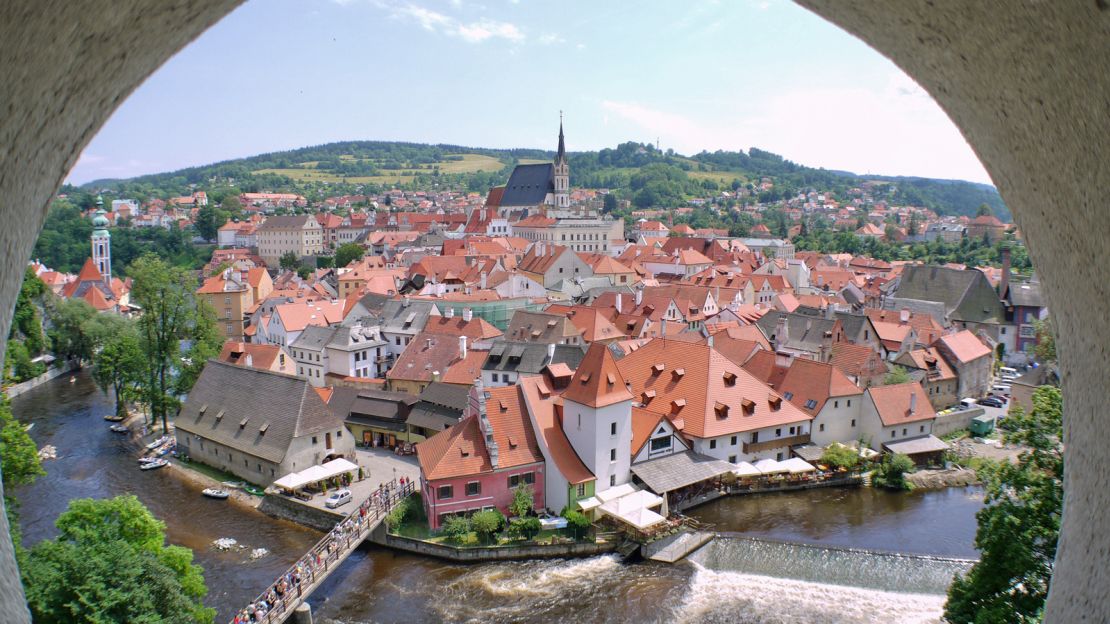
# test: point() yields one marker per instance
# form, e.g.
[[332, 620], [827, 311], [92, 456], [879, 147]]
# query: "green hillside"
[[638, 172]]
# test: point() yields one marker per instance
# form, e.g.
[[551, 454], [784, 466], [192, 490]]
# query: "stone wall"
[[490, 553], [15, 390], [954, 421], [284, 508]]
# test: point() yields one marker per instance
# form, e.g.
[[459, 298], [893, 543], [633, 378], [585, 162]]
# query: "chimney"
[[405, 302], [830, 311], [782, 332], [639, 296], [462, 347], [1004, 281], [913, 402], [435, 375], [618, 306], [482, 283], [250, 361], [468, 314], [449, 313], [709, 341], [550, 352], [903, 316], [826, 347]]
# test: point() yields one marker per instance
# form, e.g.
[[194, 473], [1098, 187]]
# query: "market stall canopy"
[[312, 474], [672, 472], [797, 465], [744, 469], [634, 508], [770, 466]]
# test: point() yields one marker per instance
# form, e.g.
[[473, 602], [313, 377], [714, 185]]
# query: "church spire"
[[561, 153]]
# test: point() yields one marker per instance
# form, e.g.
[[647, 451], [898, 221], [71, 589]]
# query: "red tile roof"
[[893, 403], [543, 410], [808, 381], [598, 381], [965, 346]]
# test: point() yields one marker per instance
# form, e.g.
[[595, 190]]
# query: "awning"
[[616, 492], [770, 466], [589, 503], [634, 508], [676, 471], [312, 474], [797, 465], [916, 446], [744, 469]]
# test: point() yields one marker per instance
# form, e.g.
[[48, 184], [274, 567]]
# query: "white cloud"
[[471, 32], [550, 39], [898, 130]]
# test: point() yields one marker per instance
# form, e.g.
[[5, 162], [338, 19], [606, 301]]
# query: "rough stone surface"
[[1028, 84], [65, 66]]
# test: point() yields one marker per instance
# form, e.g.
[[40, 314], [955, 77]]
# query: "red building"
[[478, 462]]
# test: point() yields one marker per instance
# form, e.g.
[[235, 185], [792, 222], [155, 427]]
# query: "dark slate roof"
[[529, 185], [228, 395], [966, 294], [804, 332], [441, 405], [1026, 294], [378, 408], [395, 314], [447, 395], [529, 358], [313, 337], [851, 322]]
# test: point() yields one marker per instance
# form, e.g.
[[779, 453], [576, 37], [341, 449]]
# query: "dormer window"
[[648, 395], [721, 410], [242, 423], [775, 402], [678, 373], [748, 406], [730, 379], [677, 405], [658, 368]]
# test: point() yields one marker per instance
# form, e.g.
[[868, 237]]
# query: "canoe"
[[159, 442], [215, 493], [113, 417], [158, 463], [118, 429]]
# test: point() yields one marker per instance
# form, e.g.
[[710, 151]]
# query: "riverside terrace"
[[290, 590]]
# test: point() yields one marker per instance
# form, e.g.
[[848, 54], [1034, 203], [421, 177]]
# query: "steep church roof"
[[529, 185], [597, 382]]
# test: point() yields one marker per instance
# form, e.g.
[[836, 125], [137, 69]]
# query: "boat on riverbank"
[[118, 429], [154, 464], [113, 417], [159, 442], [215, 493]]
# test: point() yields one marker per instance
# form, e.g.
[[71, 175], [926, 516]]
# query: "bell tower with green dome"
[[102, 243]]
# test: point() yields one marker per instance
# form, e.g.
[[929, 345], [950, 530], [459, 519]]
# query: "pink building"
[[478, 462]]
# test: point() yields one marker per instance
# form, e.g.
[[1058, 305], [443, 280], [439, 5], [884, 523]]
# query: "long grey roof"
[[679, 470], [231, 405], [1026, 294], [966, 294], [395, 315], [314, 338], [850, 321], [529, 185], [530, 357], [805, 332], [354, 338], [285, 222]]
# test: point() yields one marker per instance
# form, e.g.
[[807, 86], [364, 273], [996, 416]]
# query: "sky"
[[693, 75]]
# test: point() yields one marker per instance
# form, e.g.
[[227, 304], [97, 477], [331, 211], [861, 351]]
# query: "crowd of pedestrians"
[[325, 551]]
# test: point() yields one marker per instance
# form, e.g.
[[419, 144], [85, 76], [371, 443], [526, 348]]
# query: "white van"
[[340, 497], [1001, 389], [1006, 371]]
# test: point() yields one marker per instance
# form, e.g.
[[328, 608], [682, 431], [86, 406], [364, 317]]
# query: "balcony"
[[758, 447]]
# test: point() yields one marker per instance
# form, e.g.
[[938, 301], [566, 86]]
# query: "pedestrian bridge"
[[278, 601]]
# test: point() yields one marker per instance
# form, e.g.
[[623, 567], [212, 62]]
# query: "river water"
[[733, 579]]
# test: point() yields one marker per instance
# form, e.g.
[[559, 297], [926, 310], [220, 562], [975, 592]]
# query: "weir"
[[311, 570], [872, 569]]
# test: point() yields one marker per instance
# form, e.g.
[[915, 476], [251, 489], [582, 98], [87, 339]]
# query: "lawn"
[[723, 178], [470, 163]]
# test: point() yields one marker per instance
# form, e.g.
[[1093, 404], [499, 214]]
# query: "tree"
[[347, 253], [170, 315], [231, 205], [609, 204], [26, 318], [325, 262], [209, 221], [840, 456], [289, 261], [897, 375], [110, 564], [456, 528], [396, 515], [577, 522], [891, 473], [523, 501], [1020, 524], [18, 366], [68, 339], [486, 523], [984, 211], [118, 366], [20, 464], [1045, 349], [525, 527]]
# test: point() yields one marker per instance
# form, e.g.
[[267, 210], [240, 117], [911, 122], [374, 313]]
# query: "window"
[[821, 427], [612, 455], [581, 489], [314, 439], [788, 395], [473, 488], [445, 492], [853, 422], [514, 480], [778, 433], [659, 444], [922, 428], [732, 459], [792, 431], [836, 404], [903, 431], [612, 480], [712, 444], [612, 429], [1003, 330], [892, 433], [732, 440], [755, 437], [778, 457], [339, 434], [529, 477], [850, 405]]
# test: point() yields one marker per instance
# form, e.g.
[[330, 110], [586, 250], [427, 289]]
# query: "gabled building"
[[258, 425], [548, 264], [899, 419], [927, 366], [971, 360], [261, 356], [508, 361], [477, 463], [299, 234], [962, 298], [824, 392]]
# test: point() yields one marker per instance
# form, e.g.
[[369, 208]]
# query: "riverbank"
[[15, 390], [943, 478]]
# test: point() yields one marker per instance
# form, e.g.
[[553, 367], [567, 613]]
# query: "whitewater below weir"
[[731, 580]]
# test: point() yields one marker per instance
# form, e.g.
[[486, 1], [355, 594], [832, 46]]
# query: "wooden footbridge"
[[277, 603]]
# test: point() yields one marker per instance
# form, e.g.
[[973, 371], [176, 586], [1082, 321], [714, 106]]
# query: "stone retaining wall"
[[381, 537], [955, 421], [285, 508], [17, 389]]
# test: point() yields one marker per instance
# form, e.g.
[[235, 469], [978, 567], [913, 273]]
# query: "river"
[[727, 581]]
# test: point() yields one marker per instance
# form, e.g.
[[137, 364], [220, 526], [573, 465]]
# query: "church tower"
[[102, 243], [562, 172]]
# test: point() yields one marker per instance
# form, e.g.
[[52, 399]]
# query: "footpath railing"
[[293, 587]]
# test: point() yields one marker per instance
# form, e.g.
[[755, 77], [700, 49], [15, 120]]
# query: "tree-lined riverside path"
[[277, 603]]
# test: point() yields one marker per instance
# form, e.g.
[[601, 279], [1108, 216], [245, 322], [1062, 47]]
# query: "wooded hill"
[[637, 171]]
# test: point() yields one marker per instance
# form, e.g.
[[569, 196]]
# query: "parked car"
[[339, 497], [992, 402]]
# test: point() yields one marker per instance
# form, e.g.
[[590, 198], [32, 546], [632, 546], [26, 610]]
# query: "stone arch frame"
[[1027, 83]]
